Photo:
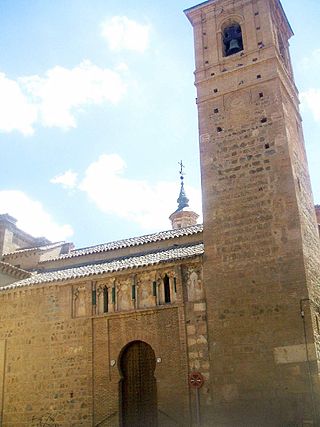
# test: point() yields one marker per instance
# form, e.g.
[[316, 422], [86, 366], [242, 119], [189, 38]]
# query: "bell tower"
[[262, 258]]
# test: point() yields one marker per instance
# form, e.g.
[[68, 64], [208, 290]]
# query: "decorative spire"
[[183, 217], [183, 201]]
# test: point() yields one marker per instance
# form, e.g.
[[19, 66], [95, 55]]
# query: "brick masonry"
[[260, 235], [60, 353], [245, 314]]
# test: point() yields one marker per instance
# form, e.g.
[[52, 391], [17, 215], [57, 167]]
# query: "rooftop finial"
[[183, 201], [183, 217], [181, 169]]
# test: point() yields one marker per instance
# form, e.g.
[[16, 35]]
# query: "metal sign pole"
[[196, 381], [198, 407]]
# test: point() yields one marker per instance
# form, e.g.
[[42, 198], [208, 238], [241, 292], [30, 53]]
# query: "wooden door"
[[138, 391]]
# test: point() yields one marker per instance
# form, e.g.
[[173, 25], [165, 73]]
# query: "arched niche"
[[232, 39], [232, 35]]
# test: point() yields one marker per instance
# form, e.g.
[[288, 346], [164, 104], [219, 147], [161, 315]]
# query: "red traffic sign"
[[196, 380]]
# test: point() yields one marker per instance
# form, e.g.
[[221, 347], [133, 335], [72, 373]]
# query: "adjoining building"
[[214, 324]]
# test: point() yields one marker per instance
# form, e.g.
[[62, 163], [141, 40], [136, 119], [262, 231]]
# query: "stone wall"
[[48, 357], [258, 222], [161, 330], [197, 334], [60, 351]]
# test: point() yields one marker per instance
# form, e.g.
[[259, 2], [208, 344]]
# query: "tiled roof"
[[35, 248], [134, 241], [13, 271], [153, 258]]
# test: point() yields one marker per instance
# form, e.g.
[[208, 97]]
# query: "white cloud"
[[68, 179], [123, 33], [54, 100], [310, 100], [135, 200], [16, 112], [32, 216], [64, 91]]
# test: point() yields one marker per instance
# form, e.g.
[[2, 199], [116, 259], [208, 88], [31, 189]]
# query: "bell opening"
[[232, 40]]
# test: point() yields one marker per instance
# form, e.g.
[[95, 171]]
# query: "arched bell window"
[[232, 39]]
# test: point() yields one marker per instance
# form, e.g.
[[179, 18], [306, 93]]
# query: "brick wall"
[[60, 354], [261, 251]]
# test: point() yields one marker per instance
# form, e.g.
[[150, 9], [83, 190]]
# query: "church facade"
[[213, 325]]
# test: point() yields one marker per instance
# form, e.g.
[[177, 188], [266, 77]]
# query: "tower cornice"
[[210, 5]]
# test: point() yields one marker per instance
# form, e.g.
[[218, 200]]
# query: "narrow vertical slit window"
[[105, 299], [154, 288], [94, 297], [113, 295], [166, 285]]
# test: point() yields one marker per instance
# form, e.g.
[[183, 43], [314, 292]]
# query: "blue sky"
[[97, 106]]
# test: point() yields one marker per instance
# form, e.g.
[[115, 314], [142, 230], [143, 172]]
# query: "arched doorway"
[[138, 390]]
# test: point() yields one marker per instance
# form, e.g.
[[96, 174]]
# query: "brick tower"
[[261, 264]]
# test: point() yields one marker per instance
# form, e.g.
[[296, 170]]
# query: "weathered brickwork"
[[197, 332], [60, 346], [48, 358], [101, 332], [172, 395], [261, 242], [167, 331], [309, 229]]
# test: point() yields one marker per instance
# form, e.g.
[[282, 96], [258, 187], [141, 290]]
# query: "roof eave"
[[78, 273], [198, 6]]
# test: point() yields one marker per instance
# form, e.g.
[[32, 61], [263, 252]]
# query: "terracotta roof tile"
[[152, 258], [34, 249], [13, 271], [134, 241]]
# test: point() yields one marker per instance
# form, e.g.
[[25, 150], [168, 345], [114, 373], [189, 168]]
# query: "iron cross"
[[181, 167]]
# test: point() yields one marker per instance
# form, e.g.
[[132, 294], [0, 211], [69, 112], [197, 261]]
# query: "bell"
[[234, 47]]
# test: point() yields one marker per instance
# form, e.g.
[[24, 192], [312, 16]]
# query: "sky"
[[97, 107]]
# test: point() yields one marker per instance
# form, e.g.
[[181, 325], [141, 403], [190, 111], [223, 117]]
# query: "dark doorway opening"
[[138, 390]]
